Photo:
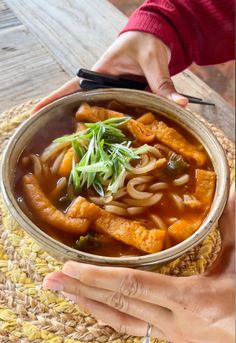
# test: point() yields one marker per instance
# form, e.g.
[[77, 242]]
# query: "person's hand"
[[181, 309], [136, 53]]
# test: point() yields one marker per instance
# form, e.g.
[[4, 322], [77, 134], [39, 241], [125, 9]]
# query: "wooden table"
[[43, 42]]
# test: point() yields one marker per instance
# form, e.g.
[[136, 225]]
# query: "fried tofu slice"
[[184, 228], [205, 187], [131, 232], [87, 113], [94, 114], [81, 208], [44, 209], [174, 140], [168, 244], [204, 192], [147, 118], [66, 164], [127, 231], [140, 131]]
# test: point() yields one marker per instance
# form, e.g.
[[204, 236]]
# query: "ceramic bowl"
[[67, 106]]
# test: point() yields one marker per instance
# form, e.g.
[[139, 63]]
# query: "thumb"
[[157, 74]]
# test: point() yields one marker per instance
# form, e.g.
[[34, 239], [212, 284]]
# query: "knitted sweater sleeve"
[[200, 31]]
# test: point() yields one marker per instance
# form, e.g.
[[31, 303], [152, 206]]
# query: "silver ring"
[[147, 337]]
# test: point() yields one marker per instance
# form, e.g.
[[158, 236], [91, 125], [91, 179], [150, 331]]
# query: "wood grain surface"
[[77, 32], [222, 115], [27, 69], [7, 17]]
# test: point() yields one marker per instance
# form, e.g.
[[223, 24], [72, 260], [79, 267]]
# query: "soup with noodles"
[[108, 184]]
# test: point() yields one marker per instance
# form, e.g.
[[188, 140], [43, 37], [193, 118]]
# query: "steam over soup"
[[113, 185]]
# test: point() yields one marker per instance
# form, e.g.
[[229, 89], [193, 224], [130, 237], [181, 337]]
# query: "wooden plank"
[[78, 32], [222, 115], [7, 17], [27, 70]]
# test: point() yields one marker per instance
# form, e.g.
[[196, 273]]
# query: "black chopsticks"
[[194, 100], [89, 85], [110, 80], [93, 80]]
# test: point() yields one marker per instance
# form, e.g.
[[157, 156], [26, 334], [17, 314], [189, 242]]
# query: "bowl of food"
[[115, 177]]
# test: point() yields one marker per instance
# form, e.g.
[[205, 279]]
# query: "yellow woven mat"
[[30, 314]]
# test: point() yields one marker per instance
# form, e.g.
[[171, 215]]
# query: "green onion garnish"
[[104, 154]]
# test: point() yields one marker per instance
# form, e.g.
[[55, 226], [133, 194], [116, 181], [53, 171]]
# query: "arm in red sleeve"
[[200, 31]]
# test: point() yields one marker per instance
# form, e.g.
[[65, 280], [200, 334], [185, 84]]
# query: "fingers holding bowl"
[[158, 315], [121, 322], [132, 283], [68, 88], [127, 56], [106, 307]]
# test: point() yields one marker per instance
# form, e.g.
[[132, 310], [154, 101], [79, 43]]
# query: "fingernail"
[[53, 285], [71, 297], [179, 99], [70, 270]]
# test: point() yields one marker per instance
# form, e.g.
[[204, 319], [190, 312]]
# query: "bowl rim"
[[135, 261]]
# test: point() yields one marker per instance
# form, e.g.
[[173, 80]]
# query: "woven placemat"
[[30, 314]]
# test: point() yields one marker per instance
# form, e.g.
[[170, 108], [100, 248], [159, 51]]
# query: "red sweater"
[[200, 31]]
